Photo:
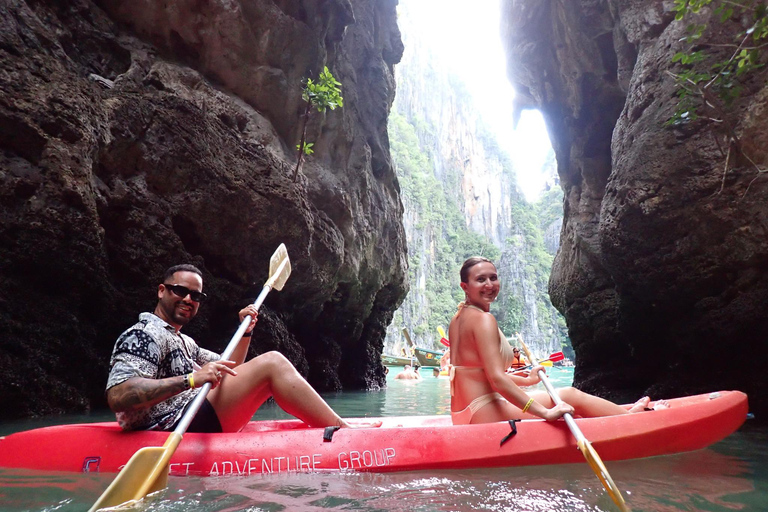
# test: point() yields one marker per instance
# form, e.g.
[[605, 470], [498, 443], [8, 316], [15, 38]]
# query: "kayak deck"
[[399, 444]]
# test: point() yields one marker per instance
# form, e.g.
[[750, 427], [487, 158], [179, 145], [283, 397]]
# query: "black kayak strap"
[[512, 433], [328, 433]]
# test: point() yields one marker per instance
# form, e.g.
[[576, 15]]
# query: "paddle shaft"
[[575, 430], [584, 445], [194, 407]]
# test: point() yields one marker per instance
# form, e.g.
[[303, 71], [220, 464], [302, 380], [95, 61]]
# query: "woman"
[[481, 390]]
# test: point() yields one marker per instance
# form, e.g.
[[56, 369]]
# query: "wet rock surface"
[[139, 135], [661, 271]]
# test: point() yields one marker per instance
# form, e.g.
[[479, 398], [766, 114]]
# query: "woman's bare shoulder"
[[481, 319]]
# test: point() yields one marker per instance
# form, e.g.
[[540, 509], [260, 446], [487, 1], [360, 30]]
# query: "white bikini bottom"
[[464, 417]]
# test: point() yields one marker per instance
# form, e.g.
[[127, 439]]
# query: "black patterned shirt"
[[152, 349]]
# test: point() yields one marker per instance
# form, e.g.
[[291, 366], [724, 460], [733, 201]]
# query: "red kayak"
[[399, 444]]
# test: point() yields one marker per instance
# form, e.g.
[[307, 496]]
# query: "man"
[[156, 371], [517, 360], [407, 374]]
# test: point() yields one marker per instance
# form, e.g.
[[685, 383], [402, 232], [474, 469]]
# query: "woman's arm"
[[529, 380], [486, 332]]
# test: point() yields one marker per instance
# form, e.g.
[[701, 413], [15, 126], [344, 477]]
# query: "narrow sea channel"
[[732, 475]]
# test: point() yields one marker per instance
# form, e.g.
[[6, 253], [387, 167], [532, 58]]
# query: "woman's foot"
[[660, 404], [640, 405]]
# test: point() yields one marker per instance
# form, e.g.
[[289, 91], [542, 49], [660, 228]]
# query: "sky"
[[467, 36]]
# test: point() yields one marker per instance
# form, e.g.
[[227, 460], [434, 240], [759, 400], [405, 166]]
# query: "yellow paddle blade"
[[441, 332], [126, 487], [279, 268], [546, 363], [145, 473], [596, 463]]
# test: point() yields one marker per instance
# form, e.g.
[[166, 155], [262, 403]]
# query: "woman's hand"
[[534, 376], [213, 372], [249, 310], [558, 411]]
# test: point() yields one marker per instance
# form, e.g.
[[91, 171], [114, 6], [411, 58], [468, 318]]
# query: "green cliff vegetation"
[[439, 234]]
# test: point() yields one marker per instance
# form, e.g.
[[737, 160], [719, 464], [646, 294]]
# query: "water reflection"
[[703, 480]]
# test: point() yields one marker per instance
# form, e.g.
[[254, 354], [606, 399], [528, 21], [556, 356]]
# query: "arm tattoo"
[[140, 393]]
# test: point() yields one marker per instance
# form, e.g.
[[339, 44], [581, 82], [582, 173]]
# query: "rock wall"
[[137, 135], [661, 270]]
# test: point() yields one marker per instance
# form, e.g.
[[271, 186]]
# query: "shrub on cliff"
[[323, 94]]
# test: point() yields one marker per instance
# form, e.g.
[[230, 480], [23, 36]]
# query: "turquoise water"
[[729, 476]]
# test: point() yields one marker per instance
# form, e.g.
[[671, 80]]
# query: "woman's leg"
[[584, 404], [501, 410], [590, 406], [238, 396]]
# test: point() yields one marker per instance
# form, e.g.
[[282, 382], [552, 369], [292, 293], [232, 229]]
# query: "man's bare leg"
[[238, 397]]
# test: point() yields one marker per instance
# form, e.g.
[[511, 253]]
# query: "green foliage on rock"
[[711, 76], [323, 94]]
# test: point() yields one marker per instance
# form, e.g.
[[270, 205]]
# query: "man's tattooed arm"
[[140, 393]]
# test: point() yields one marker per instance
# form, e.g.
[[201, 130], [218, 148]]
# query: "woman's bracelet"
[[525, 409], [191, 381], [246, 334]]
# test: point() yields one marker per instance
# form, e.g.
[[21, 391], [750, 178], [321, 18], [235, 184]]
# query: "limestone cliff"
[[461, 198], [137, 135], [661, 271]]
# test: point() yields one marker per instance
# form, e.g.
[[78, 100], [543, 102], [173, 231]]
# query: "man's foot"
[[640, 405], [660, 404]]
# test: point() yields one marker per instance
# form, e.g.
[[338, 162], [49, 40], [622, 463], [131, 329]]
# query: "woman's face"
[[482, 286]]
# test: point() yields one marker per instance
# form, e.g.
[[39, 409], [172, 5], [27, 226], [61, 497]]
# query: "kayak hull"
[[399, 444]]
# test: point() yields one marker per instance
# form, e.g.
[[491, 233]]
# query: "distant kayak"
[[399, 444]]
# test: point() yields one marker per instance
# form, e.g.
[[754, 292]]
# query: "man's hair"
[[181, 268], [469, 263]]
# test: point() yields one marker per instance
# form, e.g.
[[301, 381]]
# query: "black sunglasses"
[[183, 291]]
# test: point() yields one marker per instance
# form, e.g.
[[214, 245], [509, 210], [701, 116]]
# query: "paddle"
[[593, 459], [553, 358], [408, 338], [443, 339], [147, 470]]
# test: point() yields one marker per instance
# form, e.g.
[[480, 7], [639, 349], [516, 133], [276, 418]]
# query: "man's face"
[[172, 308]]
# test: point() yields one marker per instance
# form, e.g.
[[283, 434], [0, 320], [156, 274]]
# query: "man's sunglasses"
[[183, 291]]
